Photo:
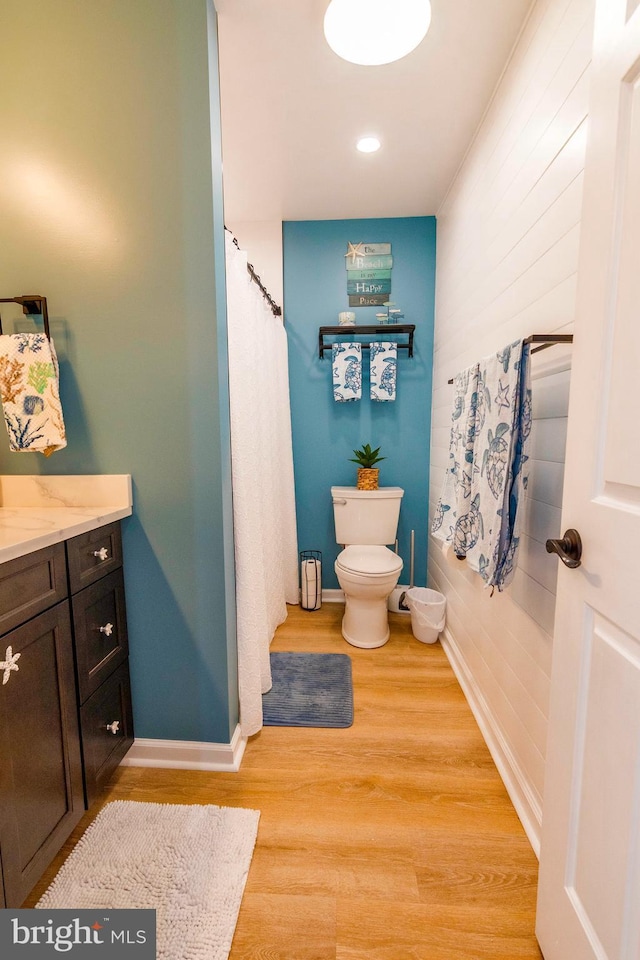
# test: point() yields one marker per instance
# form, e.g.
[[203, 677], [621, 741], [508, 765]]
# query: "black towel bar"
[[32, 305]]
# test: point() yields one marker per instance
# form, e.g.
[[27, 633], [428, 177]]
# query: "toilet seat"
[[372, 561]]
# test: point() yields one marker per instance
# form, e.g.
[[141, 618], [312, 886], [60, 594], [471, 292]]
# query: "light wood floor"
[[391, 840]]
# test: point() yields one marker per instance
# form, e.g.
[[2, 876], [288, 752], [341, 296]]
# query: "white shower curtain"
[[266, 553]]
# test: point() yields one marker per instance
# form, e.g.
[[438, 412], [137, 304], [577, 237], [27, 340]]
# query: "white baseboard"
[[328, 596], [526, 804], [333, 596], [187, 754]]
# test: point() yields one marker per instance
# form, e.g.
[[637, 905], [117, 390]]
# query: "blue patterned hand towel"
[[382, 370], [347, 371], [30, 393]]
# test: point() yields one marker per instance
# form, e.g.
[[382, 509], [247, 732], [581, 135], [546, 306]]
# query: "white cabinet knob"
[[107, 629], [114, 727], [9, 664], [102, 553]]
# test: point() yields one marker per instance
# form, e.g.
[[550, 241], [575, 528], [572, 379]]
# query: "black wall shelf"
[[385, 331]]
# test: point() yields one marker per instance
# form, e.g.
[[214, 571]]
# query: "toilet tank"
[[366, 516]]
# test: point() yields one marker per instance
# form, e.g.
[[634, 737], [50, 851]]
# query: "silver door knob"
[[114, 727]]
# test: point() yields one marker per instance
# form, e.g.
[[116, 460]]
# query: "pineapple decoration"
[[367, 472]]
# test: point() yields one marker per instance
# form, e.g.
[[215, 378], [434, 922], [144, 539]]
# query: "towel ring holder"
[[33, 305]]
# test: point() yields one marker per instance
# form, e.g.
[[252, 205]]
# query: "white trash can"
[[428, 613]]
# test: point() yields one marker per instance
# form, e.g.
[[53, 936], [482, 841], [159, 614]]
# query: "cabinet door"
[[40, 765]]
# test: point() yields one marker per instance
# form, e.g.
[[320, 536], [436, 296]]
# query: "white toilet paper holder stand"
[[310, 579]]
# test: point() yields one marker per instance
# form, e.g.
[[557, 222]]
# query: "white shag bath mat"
[[189, 863]]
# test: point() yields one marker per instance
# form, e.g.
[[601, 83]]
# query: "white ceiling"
[[292, 110]]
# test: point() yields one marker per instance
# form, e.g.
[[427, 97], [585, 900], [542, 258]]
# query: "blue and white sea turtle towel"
[[487, 475], [347, 371], [30, 393], [383, 358]]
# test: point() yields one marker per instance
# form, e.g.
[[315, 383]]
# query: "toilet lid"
[[369, 560]]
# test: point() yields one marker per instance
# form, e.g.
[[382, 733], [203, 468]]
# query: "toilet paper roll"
[[311, 584], [393, 603]]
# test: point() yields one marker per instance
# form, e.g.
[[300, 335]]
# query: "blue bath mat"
[[309, 690]]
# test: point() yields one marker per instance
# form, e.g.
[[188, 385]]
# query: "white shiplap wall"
[[508, 235], [534, 583]]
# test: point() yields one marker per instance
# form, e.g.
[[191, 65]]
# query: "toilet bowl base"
[[364, 646], [365, 623]]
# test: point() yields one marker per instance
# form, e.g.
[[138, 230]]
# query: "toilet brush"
[[396, 602], [402, 602]]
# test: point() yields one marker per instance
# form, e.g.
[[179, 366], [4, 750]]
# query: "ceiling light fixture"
[[372, 32], [368, 144]]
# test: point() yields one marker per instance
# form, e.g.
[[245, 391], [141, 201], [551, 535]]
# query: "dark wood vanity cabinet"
[[65, 701]]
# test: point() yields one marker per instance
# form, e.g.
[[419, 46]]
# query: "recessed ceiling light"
[[370, 32], [368, 144]]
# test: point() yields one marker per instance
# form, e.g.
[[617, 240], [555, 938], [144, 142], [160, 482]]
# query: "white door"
[[589, 890]]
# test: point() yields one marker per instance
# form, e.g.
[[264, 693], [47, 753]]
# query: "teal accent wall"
[[112, 209], [325, 433]]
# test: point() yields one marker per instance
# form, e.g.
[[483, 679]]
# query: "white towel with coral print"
[[30, 393], [347, 371], [383, 358]]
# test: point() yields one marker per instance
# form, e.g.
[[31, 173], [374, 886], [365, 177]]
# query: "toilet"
[[367, 571]]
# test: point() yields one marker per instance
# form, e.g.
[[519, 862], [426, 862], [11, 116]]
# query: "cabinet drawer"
[[100, 628], [94, 554], [106, 723], [31, 584]]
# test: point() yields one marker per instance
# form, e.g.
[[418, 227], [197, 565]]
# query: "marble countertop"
[[37, 511]]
